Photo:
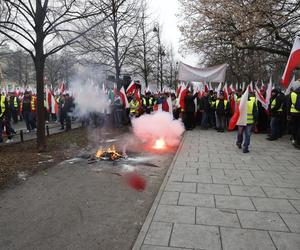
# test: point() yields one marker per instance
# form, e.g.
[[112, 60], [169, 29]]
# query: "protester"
[[244, 131], [276, 111], [293, 108], [189, 110], [222, 109]]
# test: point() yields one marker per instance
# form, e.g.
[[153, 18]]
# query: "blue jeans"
[[204, 120], [244, 130], [275, 127]]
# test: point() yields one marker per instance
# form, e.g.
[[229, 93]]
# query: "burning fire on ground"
[[110, 154]]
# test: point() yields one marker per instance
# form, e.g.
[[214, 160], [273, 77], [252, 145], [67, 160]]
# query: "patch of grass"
[[23, 157]]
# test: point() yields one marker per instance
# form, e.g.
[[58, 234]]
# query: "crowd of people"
[[15, 108], [207, 109], [212, 110]]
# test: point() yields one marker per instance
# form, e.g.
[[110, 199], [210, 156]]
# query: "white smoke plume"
[[89, 98], [159, 125]]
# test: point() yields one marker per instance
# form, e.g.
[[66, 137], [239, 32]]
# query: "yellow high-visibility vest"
[[250, 118], [134, 106], [273, 104], [2, 105], [16, 102], [33, 99], [293, 101], [225, 103]]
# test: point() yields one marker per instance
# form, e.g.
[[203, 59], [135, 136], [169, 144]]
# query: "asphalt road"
[[76, 205]]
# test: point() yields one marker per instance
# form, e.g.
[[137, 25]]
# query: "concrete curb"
[[144, 230]]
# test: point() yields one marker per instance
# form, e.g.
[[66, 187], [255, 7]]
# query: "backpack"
[[297, 104]]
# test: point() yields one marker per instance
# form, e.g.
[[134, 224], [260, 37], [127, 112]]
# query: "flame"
[[159, 144], [111, 152]]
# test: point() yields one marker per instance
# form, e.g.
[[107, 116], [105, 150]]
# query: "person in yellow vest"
[[134, 107], [4, 122], [244, 132], [148, 103], [2, 113], [222, 109], [293, 108], [275, 111]]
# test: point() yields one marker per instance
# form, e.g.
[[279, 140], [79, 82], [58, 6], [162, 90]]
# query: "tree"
[[143, 55], [42, 28], [113, 42], [262, 27]]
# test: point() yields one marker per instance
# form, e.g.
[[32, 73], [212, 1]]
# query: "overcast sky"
[[165, 11]]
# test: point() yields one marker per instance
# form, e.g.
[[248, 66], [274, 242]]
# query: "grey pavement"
[[216, 197]]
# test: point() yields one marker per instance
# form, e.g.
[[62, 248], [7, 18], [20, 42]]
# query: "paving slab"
[[234, 202], [245, 239], [217, 217], [286, 241], [190, 199], [292, 221], [195, 236], [261, 220], [273, 205]]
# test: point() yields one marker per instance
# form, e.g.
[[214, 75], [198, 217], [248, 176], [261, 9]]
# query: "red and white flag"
[[131, 88], [293, 62], [240, 115], [182, 95], [54, 105], [225, 91], [62, 88], [219, 88], [124, 97], [260, 98]]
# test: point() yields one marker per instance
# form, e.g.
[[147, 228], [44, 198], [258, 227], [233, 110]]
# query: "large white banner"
[[211, 74]]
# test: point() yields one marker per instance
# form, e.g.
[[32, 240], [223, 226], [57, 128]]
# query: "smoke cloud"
[[159, 125], [89, 98]]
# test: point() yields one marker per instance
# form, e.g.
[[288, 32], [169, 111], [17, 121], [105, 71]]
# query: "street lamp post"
[[160, 54]]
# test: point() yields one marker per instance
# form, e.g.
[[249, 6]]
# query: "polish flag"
[[262, 87], [137, 95], [250, 87], [293, 62], [131, 88], [236, 87], [115, 90], [219, 88], [178, 89], [225, 90], [54, 105], [288, 90], [47, 99], [260, 98], [231, 89], [124, 97], [62, 88], [240, 115], [210, 87], [206, 88], [182, 95]]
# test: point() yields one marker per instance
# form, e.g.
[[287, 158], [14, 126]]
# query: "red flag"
[[293, 62], [225, 90], [115, 90], [62, 88], [124, 97], [206, 88], [131, 88], [240, 115], [182, 95]]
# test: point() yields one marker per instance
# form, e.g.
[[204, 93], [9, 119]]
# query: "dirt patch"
[[23, 159]]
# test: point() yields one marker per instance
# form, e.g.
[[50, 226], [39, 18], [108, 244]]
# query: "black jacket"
[[189, 104]]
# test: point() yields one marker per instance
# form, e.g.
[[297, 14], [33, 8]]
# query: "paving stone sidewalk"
[[216, 197]]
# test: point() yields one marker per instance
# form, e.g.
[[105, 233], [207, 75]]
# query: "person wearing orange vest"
[[293, 108]]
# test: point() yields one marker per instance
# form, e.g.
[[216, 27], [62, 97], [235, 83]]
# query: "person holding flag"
[[248, 117]]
